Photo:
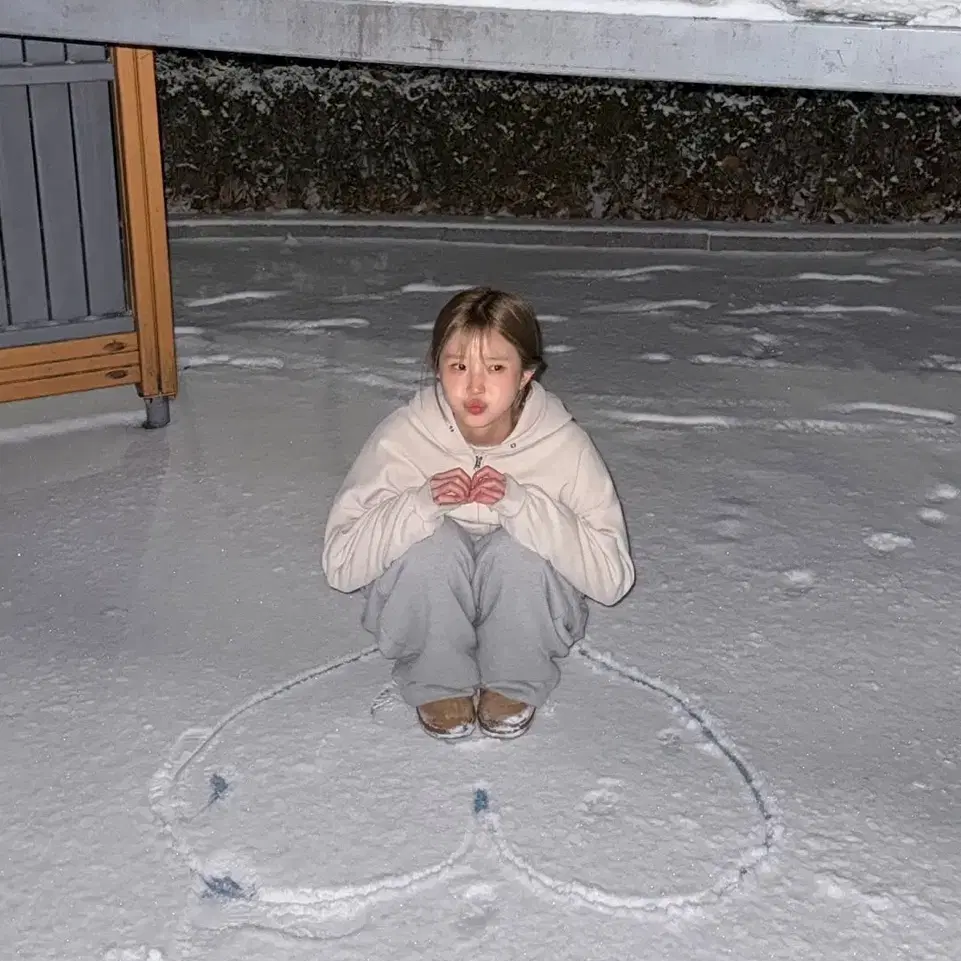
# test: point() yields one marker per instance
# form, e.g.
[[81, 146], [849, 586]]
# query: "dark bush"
[[257, 134]]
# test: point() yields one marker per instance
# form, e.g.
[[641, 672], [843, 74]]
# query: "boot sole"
[[456, 734], [506, 733]]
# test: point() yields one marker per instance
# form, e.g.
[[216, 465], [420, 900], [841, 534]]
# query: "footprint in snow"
[[939, 494], [942, 493], [601, 803], [932, 516], [140, 953], [798, 581], [479, 908], [886, 542], [670, 739], [729, 528], [387, 702], [763, 347], [941, 362], [735, 520]]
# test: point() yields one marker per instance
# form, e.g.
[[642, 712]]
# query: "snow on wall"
[[906, 12]]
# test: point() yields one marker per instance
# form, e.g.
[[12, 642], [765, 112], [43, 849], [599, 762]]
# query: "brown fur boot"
[[449, 719], [502, 717]]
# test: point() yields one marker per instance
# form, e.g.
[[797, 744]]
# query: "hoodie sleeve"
[[585, 538], [383, 508]]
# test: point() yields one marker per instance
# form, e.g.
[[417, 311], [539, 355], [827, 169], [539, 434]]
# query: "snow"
[[649, 306], [232, 297], [759, 10], [754, 756], [911, 12], [843, 278], [945, 417], [428, 288]]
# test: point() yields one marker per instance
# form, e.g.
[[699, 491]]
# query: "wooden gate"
[[85, 298]]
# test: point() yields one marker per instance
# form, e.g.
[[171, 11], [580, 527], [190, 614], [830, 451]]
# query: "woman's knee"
[[502, 562], [449, 542], [446, 551], [508, 555], [441, 564]]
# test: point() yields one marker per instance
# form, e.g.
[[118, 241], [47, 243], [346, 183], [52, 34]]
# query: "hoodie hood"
[[543, 414]]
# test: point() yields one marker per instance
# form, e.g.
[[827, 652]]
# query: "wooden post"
[[145, 220]]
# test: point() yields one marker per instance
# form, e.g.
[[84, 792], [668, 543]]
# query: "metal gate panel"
[[57, 189], [23, 260], [62, 268], [4, 309], [97, 182]]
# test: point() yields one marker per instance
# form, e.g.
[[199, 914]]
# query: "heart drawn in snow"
[[625, 797]]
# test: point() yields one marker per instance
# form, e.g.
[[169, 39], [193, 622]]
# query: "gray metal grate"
[[61, 255]]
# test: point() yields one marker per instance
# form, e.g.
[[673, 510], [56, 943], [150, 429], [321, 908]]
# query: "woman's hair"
[[481, 310]]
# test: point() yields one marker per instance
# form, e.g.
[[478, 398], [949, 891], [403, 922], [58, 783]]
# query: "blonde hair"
[[481, 310]]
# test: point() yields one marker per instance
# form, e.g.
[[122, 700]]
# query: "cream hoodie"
[[560, 500]]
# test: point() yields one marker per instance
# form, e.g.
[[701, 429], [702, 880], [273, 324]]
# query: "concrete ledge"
[[787, 238], [800, 53]]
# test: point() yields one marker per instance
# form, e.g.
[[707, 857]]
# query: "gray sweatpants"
[[458, 612]]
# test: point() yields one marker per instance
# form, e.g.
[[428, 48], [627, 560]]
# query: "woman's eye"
[[497, 368]]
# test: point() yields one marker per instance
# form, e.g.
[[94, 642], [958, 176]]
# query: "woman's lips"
[[476, 408]]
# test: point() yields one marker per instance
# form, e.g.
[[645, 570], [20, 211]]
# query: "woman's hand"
[[451, 487], [488, 486]]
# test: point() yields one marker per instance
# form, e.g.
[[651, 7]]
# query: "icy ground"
[[754, 757]]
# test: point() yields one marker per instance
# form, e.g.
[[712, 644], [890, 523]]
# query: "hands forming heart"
[[456, 486]]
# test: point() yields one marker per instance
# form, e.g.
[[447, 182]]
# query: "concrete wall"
[[583, 42]]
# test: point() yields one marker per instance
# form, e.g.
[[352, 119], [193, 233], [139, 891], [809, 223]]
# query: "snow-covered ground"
[[755, 756]]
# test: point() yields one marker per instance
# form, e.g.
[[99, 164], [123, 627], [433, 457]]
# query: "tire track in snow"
[[843, 278], [920, 422], [236, 297], [763, 310], [303, 326], [624, 274]]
